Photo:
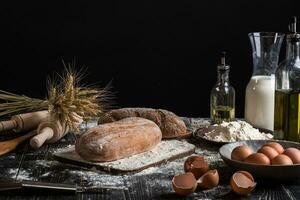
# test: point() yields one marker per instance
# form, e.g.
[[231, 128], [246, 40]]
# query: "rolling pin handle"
[[44, 135], [8, 125]]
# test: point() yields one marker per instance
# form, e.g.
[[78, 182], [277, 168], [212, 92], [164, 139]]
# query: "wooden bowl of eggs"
[[264, 158]]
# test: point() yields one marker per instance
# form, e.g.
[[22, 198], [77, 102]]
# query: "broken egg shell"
[[209, 180], [188, 163], [282, 160], [242, 182], [276, 146], [258, 158], [268, 151], [294, 154], [240, 153], [197, 165], [184, 184]]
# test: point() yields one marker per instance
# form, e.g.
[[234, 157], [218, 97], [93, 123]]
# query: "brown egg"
[[281, 160], [294, 154], [197, 165], [242, 183], [184, 184], [268, 151], [209, 180], [275, 146], [258, 158], [240, 153]]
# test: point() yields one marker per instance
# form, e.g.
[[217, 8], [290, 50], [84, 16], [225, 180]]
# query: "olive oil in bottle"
[[222, 113], [222, 97], [287, 115], [287, 90]]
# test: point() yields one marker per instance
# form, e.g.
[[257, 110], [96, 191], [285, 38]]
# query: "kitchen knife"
[[14, 185]]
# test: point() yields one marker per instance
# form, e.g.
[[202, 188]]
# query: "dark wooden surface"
[[154, 183]]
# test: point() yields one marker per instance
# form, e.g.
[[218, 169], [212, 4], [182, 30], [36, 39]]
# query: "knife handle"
[[10, 185]]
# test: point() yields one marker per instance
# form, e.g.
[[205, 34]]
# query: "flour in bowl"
[[235, 131]]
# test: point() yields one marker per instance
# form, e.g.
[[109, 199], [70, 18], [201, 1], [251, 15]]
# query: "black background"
[[160, 54]]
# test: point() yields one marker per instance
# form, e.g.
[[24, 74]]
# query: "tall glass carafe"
[[287, 90], [259, 101]]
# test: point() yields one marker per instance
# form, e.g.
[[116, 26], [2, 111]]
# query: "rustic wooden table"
[[152, 183]]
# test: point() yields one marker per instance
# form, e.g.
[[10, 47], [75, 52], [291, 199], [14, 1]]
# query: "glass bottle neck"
[[293, 49], [223, 77]]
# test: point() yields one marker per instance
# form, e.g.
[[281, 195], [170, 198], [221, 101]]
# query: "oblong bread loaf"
[[117, 140], [170, 124]]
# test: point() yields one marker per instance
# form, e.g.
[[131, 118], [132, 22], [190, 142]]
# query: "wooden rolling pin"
[[9, 145], [51, 131], [24, 122]]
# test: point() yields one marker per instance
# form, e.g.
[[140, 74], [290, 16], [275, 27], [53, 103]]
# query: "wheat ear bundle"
[[66, 97]]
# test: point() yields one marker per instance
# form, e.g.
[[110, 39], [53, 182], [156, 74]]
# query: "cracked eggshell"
[[209, 180], [197, 165], [242, 183], [184, 184]]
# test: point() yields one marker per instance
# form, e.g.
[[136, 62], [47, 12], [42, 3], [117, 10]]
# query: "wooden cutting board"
[[166, 150]]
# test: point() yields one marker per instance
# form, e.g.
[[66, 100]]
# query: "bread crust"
[[170, 124], [117, 140]]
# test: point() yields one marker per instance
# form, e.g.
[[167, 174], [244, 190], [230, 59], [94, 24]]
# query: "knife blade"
[[26, 184]]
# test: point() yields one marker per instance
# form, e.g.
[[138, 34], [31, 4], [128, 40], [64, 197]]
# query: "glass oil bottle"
[[287, 90], [222, 97]]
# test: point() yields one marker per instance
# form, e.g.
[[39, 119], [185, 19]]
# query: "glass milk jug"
[[260, 91]]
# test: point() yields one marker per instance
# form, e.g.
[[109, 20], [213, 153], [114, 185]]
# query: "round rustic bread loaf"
[[170, 124], [117, 140]]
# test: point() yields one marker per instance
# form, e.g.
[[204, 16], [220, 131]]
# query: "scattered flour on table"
[[45, 174], [53, 151], [12, 157], [21, 175], [164, 151], [97, 179], [235, 131], [218, 191], [12, 171], [173, 167], [46, 163], [24, 175]]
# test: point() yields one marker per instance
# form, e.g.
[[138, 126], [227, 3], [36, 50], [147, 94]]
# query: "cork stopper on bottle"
[[223, 58], [293, 25], [293, 35], [223, 66]]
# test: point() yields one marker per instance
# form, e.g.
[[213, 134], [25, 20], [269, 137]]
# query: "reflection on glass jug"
[[259, 101]]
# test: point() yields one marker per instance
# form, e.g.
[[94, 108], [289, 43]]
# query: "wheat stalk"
[[67, 99], [15, 104]]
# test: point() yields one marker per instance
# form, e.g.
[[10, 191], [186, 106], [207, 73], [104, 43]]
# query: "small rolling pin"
[[24, 122], [51, 131]]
